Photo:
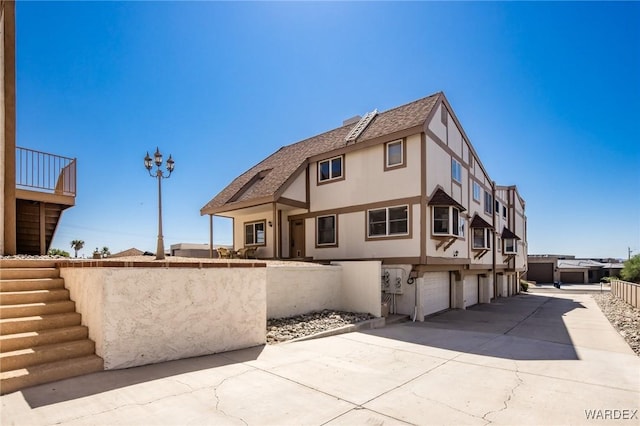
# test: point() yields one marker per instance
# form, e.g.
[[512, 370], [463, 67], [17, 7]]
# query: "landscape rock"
[[624, 317]]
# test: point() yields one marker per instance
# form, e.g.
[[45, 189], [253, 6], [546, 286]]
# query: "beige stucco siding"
[[265, 251], [436, 125], [438, 167], [366, 181], [454, 137], [298, 189]]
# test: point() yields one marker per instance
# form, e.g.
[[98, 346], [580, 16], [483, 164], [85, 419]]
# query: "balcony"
[[45, 186]]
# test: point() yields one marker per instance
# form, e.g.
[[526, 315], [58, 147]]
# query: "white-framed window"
[[254, 233], [388, 221], [394, 154], [456, 170], [510, 246], [447, 220], [330, 169], [481, 238], [477, 191], [326, 230], [488, 203]]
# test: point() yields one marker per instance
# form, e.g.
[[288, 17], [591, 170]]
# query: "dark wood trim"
[[280, 234], [407, 236], [335, 244], [332, 180], [369, 143], [293, 203], [423, 198], [289, 181], [431, 260], [274, 215], [237, 206], [357, 208], [244, 226], [403, 144], [446, 149]]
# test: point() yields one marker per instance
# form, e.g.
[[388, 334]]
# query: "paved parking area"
[[531, 359]]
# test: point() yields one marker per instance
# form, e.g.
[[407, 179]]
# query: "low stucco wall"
[[142, 315], [349, 286], [298, 290]]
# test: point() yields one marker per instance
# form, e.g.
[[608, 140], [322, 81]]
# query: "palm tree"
[[77, 245], [105, 251]]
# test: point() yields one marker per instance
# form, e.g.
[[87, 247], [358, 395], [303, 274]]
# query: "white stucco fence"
[[143, 315], [348, 286], [140, 315]]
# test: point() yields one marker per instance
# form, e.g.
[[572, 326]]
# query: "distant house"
[[405, 187], [548, 268], [129, 252]]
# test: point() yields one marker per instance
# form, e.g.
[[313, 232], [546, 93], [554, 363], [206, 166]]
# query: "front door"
[[296, 235]]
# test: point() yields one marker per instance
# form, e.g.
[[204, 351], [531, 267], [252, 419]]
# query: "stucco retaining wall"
[[143, 315], [348, 286]]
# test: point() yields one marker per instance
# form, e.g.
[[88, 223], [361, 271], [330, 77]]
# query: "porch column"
[[275, 231], [210, 236]]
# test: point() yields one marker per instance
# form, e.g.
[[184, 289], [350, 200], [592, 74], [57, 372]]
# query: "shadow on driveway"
[[523, 327]]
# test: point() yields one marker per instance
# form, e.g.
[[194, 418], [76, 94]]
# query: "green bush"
[[58, 252], [524, 286], [631, 270]]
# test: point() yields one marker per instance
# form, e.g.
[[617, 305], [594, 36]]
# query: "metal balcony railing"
[[45, 172]]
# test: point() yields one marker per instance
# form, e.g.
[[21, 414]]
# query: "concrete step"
[[36, 309], [37, 355], [36, 323], [31, 284], [33, 296], [9, 263], [14, 342], [28, 273], [11, 381]]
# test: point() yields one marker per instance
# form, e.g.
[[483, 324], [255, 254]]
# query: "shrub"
[[58, 252], [524, 286], [631, 270]]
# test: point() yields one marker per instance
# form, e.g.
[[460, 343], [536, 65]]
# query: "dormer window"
[[330, 169], [482, 234]]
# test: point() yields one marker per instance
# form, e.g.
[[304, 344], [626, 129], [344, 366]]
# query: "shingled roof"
[[264, 182]]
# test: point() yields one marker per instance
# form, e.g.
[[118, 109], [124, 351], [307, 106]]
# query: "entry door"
[[296, 233]]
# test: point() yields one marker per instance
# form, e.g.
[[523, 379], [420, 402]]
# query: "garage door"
[[470, 294], [435, 292], [540, 272], [572, 277]]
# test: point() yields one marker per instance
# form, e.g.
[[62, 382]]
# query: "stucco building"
[[405, 187]]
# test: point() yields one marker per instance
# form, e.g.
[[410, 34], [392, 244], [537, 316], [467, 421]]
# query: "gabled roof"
[[129, 252], [264, 182], [441, 198], [478, 222]]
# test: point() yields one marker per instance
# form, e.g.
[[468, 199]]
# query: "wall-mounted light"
[[455, 253]]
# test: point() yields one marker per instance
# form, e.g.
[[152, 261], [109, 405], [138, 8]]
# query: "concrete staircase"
[[41, 339]]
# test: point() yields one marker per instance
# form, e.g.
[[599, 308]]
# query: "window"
[[447, 220], [497, 207], [504, 212], [456, 170], [330, 169], [481, 238], [510, 246], [477, 192], [394, 155], [388, 221], [326, 230], [488, 203], [254, 234]]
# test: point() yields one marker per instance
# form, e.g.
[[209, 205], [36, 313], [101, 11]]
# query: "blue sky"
[[548, 93]]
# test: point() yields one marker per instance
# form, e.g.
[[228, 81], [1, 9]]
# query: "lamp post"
[[148, 164]]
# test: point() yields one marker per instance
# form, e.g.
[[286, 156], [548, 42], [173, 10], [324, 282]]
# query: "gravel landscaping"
[[624, 317], [283, 329]]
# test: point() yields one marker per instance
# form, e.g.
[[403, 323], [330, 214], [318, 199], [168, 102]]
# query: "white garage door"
[[435, 292], [470, 290]]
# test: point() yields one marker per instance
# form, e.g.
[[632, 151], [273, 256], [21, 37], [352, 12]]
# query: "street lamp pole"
[[148, 164]]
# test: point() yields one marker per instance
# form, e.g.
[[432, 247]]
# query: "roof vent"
[[352, 120], [359, 128]]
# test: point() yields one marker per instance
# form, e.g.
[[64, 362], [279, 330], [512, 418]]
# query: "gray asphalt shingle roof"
[[265, 179]]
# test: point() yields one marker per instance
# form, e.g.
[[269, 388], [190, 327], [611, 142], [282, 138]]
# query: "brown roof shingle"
[[282, 164]]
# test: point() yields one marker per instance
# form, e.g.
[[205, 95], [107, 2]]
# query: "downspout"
[[493, 246]]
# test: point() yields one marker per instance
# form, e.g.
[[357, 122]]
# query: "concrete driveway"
[[531, 359]]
